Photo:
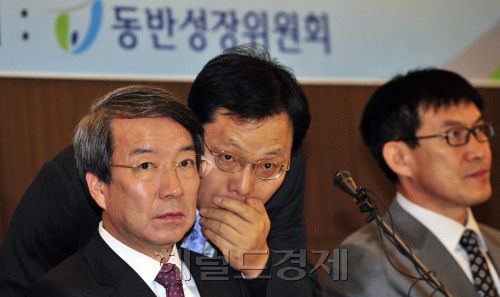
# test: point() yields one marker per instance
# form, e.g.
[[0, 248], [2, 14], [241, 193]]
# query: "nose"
[[171, 186], [242, 182]]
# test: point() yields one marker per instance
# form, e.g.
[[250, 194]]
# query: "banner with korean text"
[[322, 40]]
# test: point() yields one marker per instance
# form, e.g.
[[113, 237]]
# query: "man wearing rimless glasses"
[[427, 132]]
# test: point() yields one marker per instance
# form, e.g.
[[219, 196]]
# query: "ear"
[[398, 157], [97, 188], [202, 170], [206, 166]]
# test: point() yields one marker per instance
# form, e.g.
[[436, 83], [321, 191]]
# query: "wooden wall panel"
[[37, 118]]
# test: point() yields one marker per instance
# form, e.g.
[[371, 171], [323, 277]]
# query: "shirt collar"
[[447, 230], [146, 267]]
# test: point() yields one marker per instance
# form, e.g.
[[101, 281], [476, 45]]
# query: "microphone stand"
[[366, 204]]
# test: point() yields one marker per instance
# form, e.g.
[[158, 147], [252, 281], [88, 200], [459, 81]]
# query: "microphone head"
[[344, 181], [340, 176]]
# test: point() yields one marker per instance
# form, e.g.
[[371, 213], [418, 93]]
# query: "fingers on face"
[[221, 234]]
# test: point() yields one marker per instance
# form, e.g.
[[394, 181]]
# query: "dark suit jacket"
[[57, 216], [370, 273], [97, 270]]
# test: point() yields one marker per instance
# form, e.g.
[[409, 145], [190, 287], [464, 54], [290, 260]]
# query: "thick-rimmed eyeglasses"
[[264, 169], [460, 135], [151, 168]]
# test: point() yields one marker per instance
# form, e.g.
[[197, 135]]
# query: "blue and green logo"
[[73, 41]]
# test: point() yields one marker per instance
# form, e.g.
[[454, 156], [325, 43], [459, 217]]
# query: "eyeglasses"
[[460, 135], [151, 168], [264, 169]]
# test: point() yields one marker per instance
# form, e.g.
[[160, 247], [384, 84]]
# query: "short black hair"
[[392, 112], [250, 84]]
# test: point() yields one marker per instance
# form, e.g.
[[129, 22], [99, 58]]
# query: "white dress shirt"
[[449, 232], [147, 268]]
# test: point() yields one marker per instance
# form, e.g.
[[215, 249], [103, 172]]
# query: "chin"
[[482, 197], [176, 233]]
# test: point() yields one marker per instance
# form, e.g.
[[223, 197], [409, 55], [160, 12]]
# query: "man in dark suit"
[[247, 77], [140, 152], [427, 132], [255, 116], [112, 276]]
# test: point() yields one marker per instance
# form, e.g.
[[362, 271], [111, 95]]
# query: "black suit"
[[57, 216], [97, 270]]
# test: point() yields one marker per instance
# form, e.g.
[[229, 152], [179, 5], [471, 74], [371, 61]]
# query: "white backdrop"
[[322, 40]]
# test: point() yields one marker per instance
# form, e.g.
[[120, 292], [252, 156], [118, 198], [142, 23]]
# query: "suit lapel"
[[112, 273], [435, 256], [492, 240], [118, 279], [431, 252], [133, 285]]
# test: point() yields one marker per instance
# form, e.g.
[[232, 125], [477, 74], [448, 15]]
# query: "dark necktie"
[[170, 277], [478, 265]]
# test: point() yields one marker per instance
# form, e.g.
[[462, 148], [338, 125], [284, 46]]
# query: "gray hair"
[[93, 139]]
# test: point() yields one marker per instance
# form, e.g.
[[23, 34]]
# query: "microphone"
[[344, 181]]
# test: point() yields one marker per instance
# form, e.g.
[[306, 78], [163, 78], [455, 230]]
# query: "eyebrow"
[[187, 148], [232, 142], [145, 150], [451, 123], [141, 151]]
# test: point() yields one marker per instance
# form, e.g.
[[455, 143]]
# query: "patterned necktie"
[[170, 277], [478, 265]]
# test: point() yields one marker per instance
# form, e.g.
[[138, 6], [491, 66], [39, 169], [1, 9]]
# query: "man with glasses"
[[139, 150], [255, 117], [427, 132]]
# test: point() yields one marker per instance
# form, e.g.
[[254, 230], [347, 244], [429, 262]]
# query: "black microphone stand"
[[366, 204]]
